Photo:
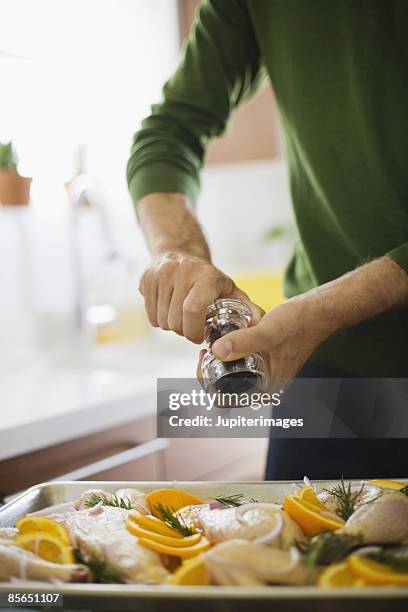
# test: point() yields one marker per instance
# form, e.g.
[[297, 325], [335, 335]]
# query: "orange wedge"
[[162, 539], [191, 572], [375, 573], [152, 523], [174, 499], [310, 517], [28, 524], [184, 553], [48, 546], [339, 575]]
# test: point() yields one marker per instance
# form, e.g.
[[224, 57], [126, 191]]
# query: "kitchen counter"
[[55, 396]]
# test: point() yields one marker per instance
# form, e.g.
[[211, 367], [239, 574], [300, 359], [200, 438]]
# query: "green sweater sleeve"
[[219, 68], [400, 256]]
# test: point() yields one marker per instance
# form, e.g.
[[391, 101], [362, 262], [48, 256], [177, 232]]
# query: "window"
[[89, 71]]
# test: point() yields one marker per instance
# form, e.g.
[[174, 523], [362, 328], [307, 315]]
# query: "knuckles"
[[195, 337], [176, 327], [185, 317], [192, 308]]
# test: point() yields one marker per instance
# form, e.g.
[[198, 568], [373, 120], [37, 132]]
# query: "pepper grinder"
[[245, 375]]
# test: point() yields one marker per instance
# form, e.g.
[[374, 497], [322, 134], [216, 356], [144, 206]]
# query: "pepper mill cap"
[[228, 306]]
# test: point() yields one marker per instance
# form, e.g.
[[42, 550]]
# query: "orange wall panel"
[[253, 132]]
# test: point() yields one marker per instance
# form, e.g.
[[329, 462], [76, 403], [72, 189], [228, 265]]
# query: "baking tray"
[[149, 598]]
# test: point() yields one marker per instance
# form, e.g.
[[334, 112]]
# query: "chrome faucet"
[[83, 193]]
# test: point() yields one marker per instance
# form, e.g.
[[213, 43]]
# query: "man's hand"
[[288, 335], [177, 289], [285, 337], [181, 280]]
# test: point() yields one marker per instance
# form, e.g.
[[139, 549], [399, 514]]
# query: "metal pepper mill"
[[246, 375]]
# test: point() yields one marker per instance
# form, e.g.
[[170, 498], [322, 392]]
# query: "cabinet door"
[[215, 459], [142, 462]]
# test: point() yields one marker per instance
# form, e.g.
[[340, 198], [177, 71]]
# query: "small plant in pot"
[[14, 189]]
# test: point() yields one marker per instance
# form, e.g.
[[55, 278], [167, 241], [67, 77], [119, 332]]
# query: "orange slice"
[[184, 553], [376, 573], [191, 572], [152, 523], [308, 494], [309, 517], [28, 524], [46, 545], [339, 575], [395, 485], [170, 498], [162, 539]]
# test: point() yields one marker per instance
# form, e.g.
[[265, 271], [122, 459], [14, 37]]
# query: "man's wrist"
[[368, 291], [180, 253], [316, 316], [169, 226]]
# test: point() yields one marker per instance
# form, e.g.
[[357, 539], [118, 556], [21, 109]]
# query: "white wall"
[[238, 203]]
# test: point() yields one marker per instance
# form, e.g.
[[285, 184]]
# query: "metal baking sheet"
[[148, 598]]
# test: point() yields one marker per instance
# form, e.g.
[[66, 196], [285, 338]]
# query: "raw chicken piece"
[[364, 492], [7, 535], [136, 498], [58, 513], [18, 563], [81, 502], [101, 532], [239, 562], [381, 521], [248, 522]]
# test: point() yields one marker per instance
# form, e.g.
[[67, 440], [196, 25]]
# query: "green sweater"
[[339, 70]]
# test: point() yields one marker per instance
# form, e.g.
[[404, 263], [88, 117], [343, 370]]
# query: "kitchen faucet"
[[83, 192]]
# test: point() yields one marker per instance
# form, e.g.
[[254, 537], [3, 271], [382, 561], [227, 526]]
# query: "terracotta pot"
[[14, 189]]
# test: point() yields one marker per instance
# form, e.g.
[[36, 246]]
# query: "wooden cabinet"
[[132, 452]]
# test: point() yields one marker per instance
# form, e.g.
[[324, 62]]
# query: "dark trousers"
[[331, 458]]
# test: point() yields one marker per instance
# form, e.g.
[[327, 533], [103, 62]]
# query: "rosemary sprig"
[[115, 501], [395, 557], [101, 571], [346, 499], [327, 547], [404, 490], [232, 501], [175, 522]]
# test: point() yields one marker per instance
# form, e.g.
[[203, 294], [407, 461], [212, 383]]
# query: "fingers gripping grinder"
[[245, 375]]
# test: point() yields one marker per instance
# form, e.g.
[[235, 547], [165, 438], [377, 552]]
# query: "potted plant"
[[14, 189]]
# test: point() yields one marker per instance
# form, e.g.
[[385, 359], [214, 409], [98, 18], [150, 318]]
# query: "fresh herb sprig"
[[346, 498], [404, 490], [233, 501], [102, 573], [114, 500], [174, 521], [395, 557], [327, 547]]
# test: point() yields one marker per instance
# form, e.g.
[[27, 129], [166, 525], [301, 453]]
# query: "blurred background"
[[79, 362]]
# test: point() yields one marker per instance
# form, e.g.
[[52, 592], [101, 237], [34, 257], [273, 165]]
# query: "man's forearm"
[[290, 333], [169, 225], [365, 292]]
